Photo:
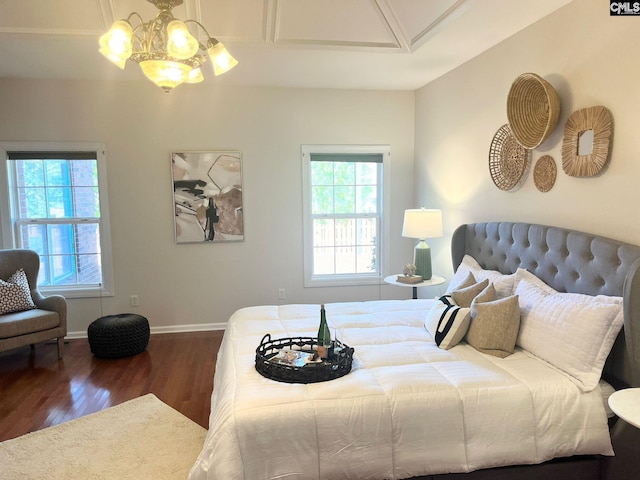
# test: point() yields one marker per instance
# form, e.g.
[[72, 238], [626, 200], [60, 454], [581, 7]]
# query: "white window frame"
[[382, 254], [9, 237]]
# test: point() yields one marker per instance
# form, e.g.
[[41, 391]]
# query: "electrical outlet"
[[135, 301], [281, 293]]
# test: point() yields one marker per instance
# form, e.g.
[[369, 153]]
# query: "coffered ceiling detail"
[[391, 44]]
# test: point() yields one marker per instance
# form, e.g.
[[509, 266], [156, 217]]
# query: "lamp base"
[[422, 260]]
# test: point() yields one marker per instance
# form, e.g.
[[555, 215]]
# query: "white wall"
[[140, 126], [591, 59]]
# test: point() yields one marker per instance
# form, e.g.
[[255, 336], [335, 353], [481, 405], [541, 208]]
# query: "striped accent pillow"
[[447, 322]]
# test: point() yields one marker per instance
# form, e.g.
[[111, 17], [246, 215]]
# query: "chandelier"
[[165, 49]]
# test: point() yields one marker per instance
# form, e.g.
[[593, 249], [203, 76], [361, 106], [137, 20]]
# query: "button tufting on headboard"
[[568, 261]]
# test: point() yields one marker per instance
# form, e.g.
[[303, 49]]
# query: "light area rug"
[[140, 439]]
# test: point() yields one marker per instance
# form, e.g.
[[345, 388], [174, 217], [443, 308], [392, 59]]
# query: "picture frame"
[[207, 196]]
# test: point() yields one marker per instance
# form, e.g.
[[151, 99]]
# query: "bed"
[[476, 409]]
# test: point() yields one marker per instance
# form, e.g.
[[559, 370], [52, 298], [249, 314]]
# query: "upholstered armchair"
[[26, 316]]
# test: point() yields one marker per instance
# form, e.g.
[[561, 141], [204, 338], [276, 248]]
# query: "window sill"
[[342, 281], [92, 292]]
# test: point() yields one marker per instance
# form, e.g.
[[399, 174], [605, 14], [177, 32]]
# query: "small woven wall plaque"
[[533, 108], [508, 160], [599, 120], [544, 173]]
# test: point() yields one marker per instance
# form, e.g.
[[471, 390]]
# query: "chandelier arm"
[[209, 37], [134, 14]]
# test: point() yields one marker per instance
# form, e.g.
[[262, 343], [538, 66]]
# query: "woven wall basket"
[[508, 160], [544, 173], [532, 109], [599, 120]]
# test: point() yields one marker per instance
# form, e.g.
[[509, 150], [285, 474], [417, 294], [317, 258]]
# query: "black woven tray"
[[338, 365]]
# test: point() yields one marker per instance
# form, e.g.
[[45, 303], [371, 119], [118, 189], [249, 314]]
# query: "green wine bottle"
[[324, 336]]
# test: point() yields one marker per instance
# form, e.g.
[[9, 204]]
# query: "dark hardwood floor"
[[37, 390]]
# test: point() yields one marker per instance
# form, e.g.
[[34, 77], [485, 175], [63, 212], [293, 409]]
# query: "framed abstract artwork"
[[207, 196]]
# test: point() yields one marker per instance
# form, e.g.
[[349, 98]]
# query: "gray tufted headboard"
[[569, 261]]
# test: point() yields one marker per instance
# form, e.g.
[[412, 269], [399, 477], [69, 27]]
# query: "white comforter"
[[407, 408]]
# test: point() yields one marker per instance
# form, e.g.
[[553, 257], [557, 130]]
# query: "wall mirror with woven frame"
[[587, 137], [585, 142]]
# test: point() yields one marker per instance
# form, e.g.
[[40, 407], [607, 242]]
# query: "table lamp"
[[422, 224]]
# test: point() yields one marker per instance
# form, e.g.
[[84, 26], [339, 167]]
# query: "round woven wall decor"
[[544, 173], [532, 109], [599, 120], [507, 159]]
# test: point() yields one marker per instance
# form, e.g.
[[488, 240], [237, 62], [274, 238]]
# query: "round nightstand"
[[626, 404], [432, 282]]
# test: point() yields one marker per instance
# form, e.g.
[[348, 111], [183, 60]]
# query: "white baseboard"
[[200, 327]]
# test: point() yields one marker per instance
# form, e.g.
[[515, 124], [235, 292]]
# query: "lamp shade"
[[165, 74], [180, 43], [220, 58], [422, 223], [116, 43]]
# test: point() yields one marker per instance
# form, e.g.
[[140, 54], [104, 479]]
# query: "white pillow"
[[503, 284], [571, 331], [522, 274], [447, 322]]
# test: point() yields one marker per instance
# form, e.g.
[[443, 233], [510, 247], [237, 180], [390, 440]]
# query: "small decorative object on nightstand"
[[432, 282]]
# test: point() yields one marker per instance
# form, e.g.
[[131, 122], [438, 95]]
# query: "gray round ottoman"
[[116, 336]]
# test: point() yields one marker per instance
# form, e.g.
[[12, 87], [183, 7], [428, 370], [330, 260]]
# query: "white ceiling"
[[372, 44]]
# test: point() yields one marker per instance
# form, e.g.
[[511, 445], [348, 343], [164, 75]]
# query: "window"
[[344, 204], [57, 206]]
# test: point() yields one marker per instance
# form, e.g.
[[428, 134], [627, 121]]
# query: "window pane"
[[59, 199], [366, 260], [34, 237], [89, 269], [86, 202], [63, 269], [346, 259], [323, 261], [367, 243], [345, 199], [84, 173], [323, 233], [366, 173], [345, 232], [321, 173], [321, 200], [30, 173], [32, 202], [61, 239], [87, 238], [366, 199], [57, 172], [344, 173], [367, 231], [44, 279], [345, 243]]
